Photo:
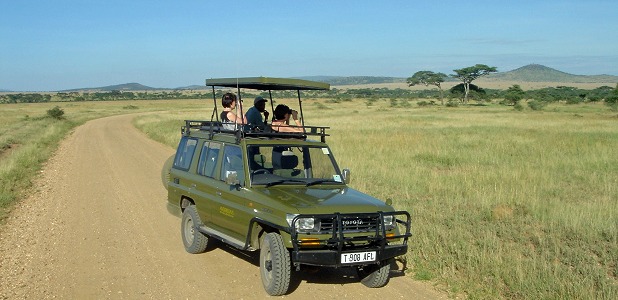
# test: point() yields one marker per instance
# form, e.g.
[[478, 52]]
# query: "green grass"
[[505, 204]]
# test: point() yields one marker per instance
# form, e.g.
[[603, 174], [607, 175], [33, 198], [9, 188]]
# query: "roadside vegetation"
[[507, 202], [30, 133]]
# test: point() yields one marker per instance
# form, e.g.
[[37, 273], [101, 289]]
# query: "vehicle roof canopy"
[[268, 83]]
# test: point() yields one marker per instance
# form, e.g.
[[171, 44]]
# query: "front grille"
[[350, 224]]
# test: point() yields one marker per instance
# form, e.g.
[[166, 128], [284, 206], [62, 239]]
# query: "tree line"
[[460, 94], [514, 94]]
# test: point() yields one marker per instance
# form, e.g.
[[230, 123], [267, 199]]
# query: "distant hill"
[[118, 87], [4, 91], [540, 73], [529, 73]]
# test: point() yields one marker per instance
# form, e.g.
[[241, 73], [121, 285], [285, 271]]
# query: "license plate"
[[349, 258]]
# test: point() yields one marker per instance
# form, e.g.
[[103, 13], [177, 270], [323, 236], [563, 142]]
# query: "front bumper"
[[333, 257], [341, 242]]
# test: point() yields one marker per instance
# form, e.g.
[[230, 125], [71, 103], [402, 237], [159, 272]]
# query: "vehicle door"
[[233, 213], [205, 189]]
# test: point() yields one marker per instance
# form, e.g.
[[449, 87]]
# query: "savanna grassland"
[[505, 203]]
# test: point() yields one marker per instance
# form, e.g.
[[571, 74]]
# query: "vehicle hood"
[[324, 200]]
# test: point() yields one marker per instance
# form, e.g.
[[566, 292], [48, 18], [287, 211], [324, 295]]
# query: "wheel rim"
[[189, 230]]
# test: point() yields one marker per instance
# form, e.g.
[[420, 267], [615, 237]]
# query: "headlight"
[[302, 224], [388, 222]]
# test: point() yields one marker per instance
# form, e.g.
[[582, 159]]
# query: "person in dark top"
[[232, 112], [254, 114]]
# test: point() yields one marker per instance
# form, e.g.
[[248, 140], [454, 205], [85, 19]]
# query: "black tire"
[[193, 240], [275, 268], [375, 276], [165, 172]]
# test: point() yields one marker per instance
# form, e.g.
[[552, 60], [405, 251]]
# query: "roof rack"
[[217, 127]]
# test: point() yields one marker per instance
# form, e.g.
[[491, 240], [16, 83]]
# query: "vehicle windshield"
[[306, 165]]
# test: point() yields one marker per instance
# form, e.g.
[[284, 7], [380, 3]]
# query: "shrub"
[[405, 103], [426, 103], [518, 107], [452, 103], [333, 100], [56, 113], [536, 105]]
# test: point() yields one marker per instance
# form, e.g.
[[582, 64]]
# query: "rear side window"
[[186, 148], [208, 159]]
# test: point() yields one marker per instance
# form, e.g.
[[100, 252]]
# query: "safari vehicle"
[[281, 194]]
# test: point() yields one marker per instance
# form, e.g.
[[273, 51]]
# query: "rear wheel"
[[275, 266], [193, 240], [375, 276]]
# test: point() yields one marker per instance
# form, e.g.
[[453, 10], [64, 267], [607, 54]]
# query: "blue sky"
[[63, 44]]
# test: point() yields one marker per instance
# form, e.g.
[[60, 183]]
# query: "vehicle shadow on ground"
[[313, 274]]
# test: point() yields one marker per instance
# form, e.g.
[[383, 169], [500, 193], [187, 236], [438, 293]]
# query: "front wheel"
[[375, 276], [193, 240], [275, 266]]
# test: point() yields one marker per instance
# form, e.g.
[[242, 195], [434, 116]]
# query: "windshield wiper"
[[320, 181], [282, 181]]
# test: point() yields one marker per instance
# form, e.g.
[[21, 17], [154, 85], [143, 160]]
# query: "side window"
[[232, 162], [184, 154], [208, 159]]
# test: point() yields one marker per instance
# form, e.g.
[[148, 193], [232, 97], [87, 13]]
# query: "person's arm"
[[239, 119], [295, 117]]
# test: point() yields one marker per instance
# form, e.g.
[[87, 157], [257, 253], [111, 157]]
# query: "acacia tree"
[[469, 74], [514, 94], [428, 78]]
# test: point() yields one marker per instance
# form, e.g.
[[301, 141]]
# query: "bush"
[[536, 105], [405, 103], [56, 113], [425, 103], [574, 100], [518, 107], [452, 103]]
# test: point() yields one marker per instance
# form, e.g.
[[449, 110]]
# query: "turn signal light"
[[310, 242]]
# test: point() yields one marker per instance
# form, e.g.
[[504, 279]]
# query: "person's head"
[[282, 112], [260, 103], [228, 99]]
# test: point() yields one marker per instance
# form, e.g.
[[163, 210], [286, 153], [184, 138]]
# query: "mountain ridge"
[[541, 73], [527, 73]]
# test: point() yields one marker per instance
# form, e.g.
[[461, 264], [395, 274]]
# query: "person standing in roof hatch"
[[282, 120], [254, 114], [231, 114]]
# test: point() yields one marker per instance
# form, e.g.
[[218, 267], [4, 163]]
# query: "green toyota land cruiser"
[[280, 193]]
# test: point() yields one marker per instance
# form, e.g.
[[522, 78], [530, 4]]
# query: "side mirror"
[[346, 176], [231, 178]]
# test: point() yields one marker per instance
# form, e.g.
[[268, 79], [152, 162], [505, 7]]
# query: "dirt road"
[[97, 228]]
